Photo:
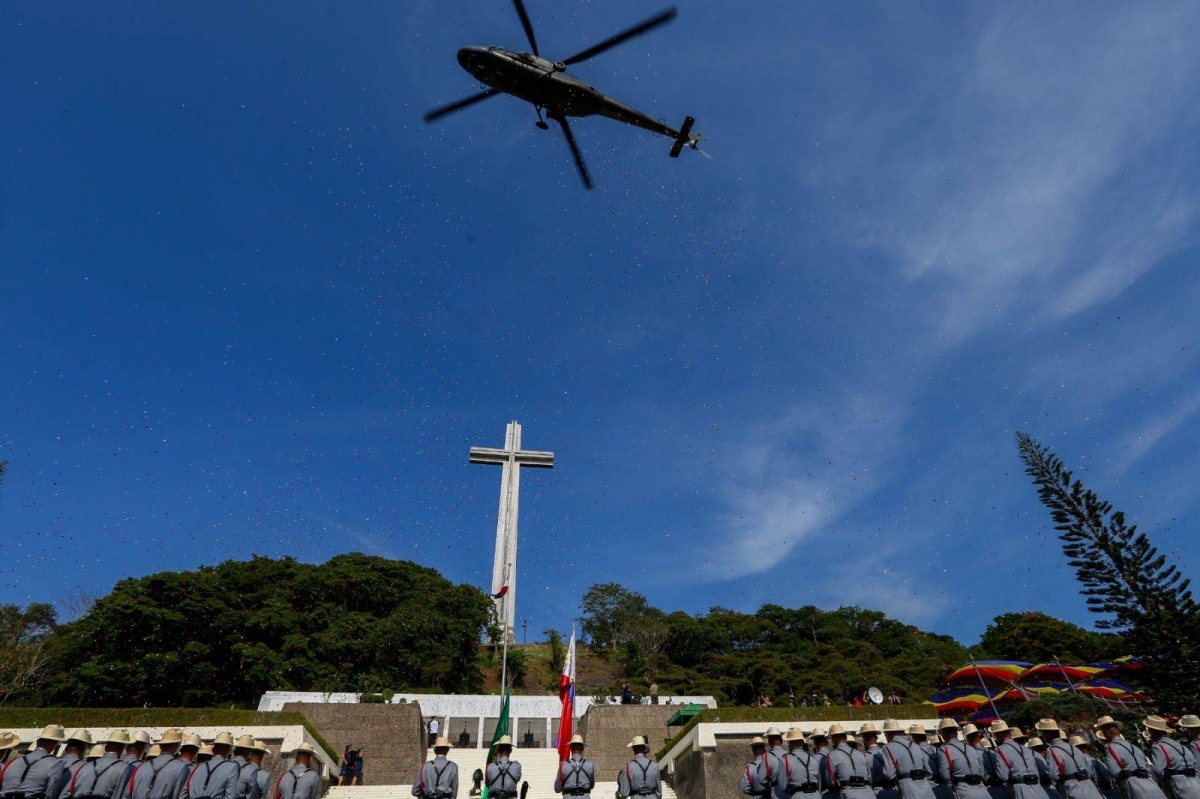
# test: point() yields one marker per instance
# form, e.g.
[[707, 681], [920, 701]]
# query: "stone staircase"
[[538, 768]]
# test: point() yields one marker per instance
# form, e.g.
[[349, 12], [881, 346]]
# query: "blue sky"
[[251, 304]]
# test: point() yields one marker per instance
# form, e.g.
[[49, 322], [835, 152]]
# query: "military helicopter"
[[546, 84]]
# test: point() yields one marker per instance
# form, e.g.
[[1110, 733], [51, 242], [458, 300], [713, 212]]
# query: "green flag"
[[501, 731]]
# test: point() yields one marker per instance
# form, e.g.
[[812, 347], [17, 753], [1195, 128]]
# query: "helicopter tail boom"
[[684, 137]]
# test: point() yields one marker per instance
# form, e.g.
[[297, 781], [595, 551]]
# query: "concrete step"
[[538, 767]]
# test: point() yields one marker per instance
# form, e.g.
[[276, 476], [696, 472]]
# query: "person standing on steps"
[[438, 778], [640, 776], [576, 775]]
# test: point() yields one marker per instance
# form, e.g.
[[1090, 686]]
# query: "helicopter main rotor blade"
[[636, 30], [438, 113], [526, 24], [583, 170]]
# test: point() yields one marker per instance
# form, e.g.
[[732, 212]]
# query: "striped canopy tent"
[[983, 718], [1013, 696], [956, 701], [991, 672], [1061, 672], [1045, 688], [1106, 689], [1120, 666]]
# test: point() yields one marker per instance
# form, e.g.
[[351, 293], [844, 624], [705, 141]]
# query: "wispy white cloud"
[[1142, 440]]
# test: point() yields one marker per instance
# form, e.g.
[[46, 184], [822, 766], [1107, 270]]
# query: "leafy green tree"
[[227, 633], [558, 657], [24, 636], [1037, 638], [608, 611], [1124, 578]]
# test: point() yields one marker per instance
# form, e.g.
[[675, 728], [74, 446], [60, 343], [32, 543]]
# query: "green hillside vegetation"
[[223, 635]]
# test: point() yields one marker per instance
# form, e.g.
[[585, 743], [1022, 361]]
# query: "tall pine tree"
[[1124, 578]]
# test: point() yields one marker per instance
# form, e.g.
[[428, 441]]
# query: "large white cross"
[[504, 569]]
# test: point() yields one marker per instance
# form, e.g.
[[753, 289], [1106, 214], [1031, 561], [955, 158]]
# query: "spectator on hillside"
[[654, 693], [626, 694], [356, 773]]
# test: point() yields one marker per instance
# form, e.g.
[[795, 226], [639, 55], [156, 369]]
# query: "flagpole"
[[986, 692]]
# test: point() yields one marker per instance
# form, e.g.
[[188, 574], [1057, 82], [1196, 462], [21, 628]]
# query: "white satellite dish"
[[875, 695]]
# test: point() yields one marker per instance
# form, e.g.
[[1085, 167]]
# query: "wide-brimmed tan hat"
[[52, 732], [948, 724], [1034, 742], [505, 740], [869, 729], [261, 746], [837, 729], [998, 726], [140, 737], [1047, 725], [1156, 723], [917, 729], [891, 725], [223, 739], [171, 736], [154, 751], [244, 741], [193, 740], [772, 731], [83, 736], [818, 732], [95, 752], [1189, 722], [1108, 721], [1018, 735], [1077, 741], [443, 742], [207, 750], [118, 737], [576, 740], [9, 739], [794, 734], [307, 748], [638, 740], [970, 729], [757, 741]]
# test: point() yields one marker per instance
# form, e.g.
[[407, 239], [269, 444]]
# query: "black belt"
[[1179, 772], [1078, 776], [808, 787], [858, 782], [502, 794], [916, 774], [1028, 779], [886, 784], [1137, 772], [970, 779], [576, 791]]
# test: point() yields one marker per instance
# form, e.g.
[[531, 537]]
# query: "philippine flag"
[[566, 692]]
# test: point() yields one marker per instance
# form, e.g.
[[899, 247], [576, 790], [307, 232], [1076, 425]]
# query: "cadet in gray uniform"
[[216, 778], [438, 779], [801, 770], [99, 778], [1100, 773], [885, 786], [1191, 725], [776, 751], [247, 781], [302, 782], [758, 777], [262, 777], [576, 775], [1127, 763], [1068, 766], [503, 778], [1173, 763], [904, 764], [960, 764], [78, 742], [640, 776], [846, 770], [161, 777], [35, 774], [1016, 766]]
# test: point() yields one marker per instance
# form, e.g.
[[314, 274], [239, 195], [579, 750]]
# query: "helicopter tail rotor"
[[685, 136]]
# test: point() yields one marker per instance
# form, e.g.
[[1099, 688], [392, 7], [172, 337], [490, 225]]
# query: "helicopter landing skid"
[[541, 123]]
